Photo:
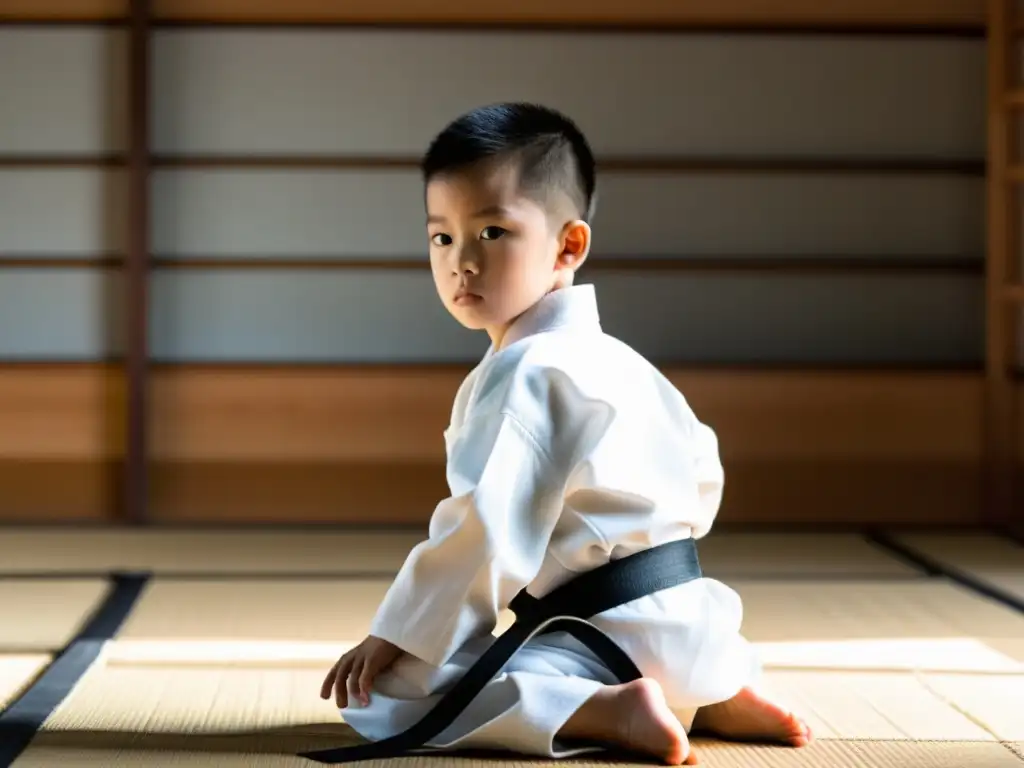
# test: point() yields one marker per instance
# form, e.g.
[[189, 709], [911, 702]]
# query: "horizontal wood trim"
[[830, 13], [45, 261], [363, 444], [926, 15], [817, 493], [382, 414], [63, 10], [56, 491], [27, 160], [895, 265], [773, 493], [798, 265], [397, 413], [637, 164]]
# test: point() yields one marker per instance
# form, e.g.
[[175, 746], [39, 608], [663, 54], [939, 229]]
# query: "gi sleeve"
[[709, 475], [486, 542]]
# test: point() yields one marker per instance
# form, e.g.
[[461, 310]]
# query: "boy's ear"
[[575, 245]]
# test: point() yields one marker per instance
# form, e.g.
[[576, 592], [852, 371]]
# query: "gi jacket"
[[566, 448]]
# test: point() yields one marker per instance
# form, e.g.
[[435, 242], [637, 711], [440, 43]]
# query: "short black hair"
[[551, 151]]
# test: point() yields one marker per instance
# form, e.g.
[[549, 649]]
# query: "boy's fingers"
[[340, 679], [366, 681], [350, 684], [327, 686]]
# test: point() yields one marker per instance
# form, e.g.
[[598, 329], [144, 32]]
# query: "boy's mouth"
[[465, 298]]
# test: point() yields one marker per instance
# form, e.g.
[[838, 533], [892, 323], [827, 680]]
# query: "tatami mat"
[[248, 620], [824, 754], [139, 699], [930, 625], [995, 560], [995, 701], [739, 555], [271, 552], [973, 550], [17, 671], [213, 551], [890, 671], [872, 706], [903, 625], [43, 615], [130, 714]]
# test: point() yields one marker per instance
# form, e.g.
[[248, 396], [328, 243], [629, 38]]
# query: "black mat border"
[[939, 569], [217, 576], [24, 717]]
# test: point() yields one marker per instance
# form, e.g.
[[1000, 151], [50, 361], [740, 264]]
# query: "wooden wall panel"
[[60, 412], [63, 10], [363, 444], [931, 13], [935, 14], [1017, 517], [60, 443]]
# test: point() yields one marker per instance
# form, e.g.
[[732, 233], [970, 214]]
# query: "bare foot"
[[749, 716], [634, 717]]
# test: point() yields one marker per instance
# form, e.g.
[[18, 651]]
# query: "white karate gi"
[[566, 449]]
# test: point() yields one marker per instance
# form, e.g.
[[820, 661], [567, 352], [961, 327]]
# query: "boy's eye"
[[492, 233], [441, 239]]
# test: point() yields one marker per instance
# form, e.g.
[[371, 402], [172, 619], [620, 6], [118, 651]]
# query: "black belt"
[[565, 609]]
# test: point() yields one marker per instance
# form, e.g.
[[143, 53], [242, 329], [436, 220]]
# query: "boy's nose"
[[467, 266]]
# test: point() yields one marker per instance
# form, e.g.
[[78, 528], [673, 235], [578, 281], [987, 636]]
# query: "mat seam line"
[[25, 716], [828, 578], [937, 568], [1013, 535], [922, 679], [883, 542]]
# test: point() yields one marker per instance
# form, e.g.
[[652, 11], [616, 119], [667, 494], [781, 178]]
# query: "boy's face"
[[494, 252]]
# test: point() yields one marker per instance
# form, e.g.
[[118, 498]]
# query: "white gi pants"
[[541, 687]]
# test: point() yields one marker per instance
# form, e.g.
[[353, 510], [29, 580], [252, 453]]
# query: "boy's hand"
[[353, 674]]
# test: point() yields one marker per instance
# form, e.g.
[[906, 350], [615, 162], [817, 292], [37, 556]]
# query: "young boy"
[[566, 449]]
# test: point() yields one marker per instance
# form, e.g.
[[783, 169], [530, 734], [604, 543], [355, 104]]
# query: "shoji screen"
[[63, 132], [781, 217]]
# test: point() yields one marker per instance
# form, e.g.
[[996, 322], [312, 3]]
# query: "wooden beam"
[[35, 160], [725, 263], [830, 14], [908, 16], [136, 487], [859, 265], [49, 261], [62, 11], [656, 164], [999, 416]]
